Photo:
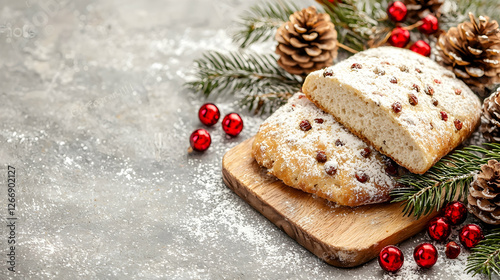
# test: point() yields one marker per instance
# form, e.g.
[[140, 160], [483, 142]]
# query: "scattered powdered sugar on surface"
[[106, 187]]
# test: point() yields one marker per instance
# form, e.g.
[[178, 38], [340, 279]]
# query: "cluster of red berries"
[[209, 114], [391, 258], [400, 36]]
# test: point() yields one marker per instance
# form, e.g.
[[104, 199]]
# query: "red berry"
[[456, 212], [425, 255], [391, 258], [399, 37], [421, 47], [209, 114], [439, 228], [200, 140], [452, 250], [232, 124], [397, 11], [430, 24], [470, 235]]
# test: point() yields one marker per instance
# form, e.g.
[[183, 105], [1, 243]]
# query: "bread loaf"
[[405, 105], [308, 150]]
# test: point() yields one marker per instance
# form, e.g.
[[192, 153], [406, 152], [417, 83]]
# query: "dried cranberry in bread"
[[405, 105], [308, 150]]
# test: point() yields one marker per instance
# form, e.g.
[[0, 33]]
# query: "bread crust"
[[289, 153], [420, 124]]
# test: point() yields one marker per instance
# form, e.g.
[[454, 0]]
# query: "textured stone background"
[[96, 121]]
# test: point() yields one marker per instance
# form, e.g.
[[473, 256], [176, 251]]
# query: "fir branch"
[[357, 21], [260, 22], [257, 76], [446, 181], [266, 102], [457, 11], [485, 257]]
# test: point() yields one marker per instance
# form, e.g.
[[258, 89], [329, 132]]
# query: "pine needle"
[[485, 257], [446, 181], [459, 10], [261, 21], [357, 21], [263, 82]]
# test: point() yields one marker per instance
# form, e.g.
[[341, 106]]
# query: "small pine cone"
[[418, 9], [472, 52], [484, 194], [307, 42], [490, 120]]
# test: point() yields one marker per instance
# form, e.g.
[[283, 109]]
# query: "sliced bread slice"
[[403, 104]]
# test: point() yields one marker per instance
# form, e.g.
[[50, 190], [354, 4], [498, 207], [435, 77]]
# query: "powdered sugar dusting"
[[433, 82], [282, 141]]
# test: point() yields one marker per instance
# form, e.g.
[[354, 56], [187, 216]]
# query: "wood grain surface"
[[341, 236]]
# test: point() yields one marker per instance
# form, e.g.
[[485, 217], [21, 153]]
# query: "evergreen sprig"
[[485, 257], [357, 21], [264, 84], [446, 181], [260, 22], [265, 102], [458, 11]]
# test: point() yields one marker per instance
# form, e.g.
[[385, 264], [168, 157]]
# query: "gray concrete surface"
[[95, 120]]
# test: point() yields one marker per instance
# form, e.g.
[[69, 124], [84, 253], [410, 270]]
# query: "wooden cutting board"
[[341, 236]]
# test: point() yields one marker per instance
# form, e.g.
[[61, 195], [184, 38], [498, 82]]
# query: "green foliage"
[[446, 181], [260, 22], [459, 11], [357, 21], [265, 102], [485, 257], [264, 84]]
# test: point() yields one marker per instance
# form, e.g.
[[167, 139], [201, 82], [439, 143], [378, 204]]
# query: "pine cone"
[[307, 42], [484, 194], [472, 52], [490, 120], [418, 9]]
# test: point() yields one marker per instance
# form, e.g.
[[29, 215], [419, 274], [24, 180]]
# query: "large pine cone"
[[484, 194], [307, 42], [490, 120], [472, 52], [418, 9]]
